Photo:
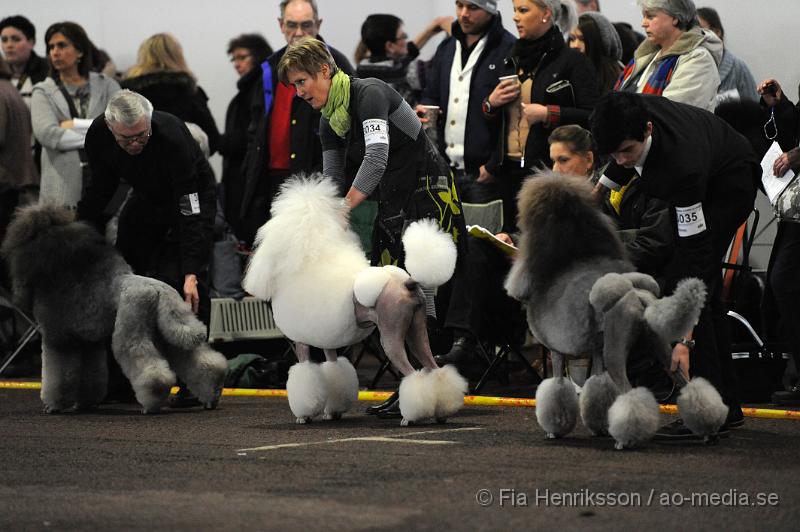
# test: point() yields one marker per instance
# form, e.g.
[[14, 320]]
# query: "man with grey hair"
[[165, 227], [283, 137]]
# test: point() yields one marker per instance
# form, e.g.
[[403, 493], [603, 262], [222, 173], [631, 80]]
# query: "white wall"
[[761, 33]]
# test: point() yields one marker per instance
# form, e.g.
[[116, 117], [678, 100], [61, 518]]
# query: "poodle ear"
[[518, 282]]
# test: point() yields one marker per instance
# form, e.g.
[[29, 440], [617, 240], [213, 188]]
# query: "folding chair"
[[30, 332], [487, 215], [735, 266]]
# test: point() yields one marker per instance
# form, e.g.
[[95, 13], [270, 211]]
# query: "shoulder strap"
[[70, 102]]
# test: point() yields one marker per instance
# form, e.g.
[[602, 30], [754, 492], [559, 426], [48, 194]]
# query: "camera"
[[770, 89]]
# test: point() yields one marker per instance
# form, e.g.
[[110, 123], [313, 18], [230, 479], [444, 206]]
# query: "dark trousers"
[[474, 192], [152, 249], [711, 358], [784, 284], [479, 294]]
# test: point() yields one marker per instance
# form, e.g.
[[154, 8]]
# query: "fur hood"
[[179, 82], [690, 40]]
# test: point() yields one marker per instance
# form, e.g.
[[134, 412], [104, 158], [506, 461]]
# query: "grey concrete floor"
[[247, 466]]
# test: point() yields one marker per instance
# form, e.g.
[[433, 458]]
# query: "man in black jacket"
[[283, 137], [166, 226], [463, 71], [708, 174]]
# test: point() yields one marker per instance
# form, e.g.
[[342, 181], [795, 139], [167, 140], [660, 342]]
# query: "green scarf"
[[336, 110]]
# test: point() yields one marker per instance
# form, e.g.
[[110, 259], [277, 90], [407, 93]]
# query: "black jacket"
[[562, 67], [37, 68], [482, 134], [177, 93], [646, 230], [697, 157], [164, 176], [305, 146], [233, 143]]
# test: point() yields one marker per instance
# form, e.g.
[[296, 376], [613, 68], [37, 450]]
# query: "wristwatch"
[[487, 107], [688, 342]]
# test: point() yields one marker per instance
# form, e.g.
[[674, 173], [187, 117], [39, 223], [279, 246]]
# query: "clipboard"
[[484, 234]]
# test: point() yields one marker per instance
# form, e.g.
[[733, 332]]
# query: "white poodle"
[[310, 265], [584, 299]]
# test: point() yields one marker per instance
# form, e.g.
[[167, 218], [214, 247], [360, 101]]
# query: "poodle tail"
[[671, 317], [430, 253], [176, 322]]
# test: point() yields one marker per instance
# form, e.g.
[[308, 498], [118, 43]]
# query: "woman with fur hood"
[[162, 76], [678, 59]]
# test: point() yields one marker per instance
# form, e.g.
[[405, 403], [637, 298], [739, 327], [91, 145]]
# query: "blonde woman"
[[162, 76]]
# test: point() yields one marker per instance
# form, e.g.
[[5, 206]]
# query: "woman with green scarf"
[[368, 123]]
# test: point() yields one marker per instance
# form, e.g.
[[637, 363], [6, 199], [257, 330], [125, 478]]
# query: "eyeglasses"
[[401, 37], [140, 138], [306, 25], [240, 58]]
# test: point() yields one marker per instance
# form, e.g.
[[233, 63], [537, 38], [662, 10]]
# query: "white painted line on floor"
[[399, 438]]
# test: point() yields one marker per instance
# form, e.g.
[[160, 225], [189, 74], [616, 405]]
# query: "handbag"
[[787, 204]]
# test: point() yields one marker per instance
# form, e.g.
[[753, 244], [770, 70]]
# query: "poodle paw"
[[619, 446], [332, 416], [551, 436], [405, 422], [47, 409], [303, 420]]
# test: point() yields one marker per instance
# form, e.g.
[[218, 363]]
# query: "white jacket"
[[695, 78], [62, 178]]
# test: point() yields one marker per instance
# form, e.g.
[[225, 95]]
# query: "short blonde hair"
[[306, 55], [159, 53]]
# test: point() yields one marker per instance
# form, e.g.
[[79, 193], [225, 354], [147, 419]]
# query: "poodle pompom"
[[368, 285], [556, 406], [430, 253], [672, 316], [152, 385], [633, 418], [701, 407], [307, 390], [342, 384], [607, 290], [450, 390], [598, 394], [417, 396]]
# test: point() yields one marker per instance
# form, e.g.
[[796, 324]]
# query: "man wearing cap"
[[464, 71]]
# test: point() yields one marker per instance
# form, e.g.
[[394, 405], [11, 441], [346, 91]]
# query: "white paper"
[[773, 186]]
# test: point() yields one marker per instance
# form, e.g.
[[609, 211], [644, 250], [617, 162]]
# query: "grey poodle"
[[81, 292], [585, 300]]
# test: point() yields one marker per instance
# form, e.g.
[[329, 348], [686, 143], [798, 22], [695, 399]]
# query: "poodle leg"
[[418, 343], [342, 384], [306, 387], [557, 402], [598, 394], [303, 352], [622, 323], [61, 378], [203, 370], [94, 375], [150, 375]]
